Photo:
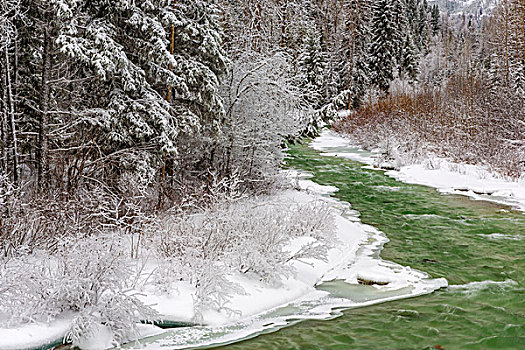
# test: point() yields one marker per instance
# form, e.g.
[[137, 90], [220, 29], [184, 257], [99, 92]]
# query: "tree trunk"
[[506, 35], [3, 120], [284, 22], [172, 51], [11, 116], [353, 30], [43, 147]]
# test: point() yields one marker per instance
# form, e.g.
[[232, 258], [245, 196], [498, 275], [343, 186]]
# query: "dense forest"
[[124, 118]]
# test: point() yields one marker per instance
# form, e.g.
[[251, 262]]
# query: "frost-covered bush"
[[263, 108], [25, 227], [33, 221], [214, 290], [225, 189], [264, 231], [85, 278], [247, 236]]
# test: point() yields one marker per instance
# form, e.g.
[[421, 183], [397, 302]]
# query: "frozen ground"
[[448, 177]]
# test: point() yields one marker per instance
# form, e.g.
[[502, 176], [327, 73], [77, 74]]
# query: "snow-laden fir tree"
[[106, 70], [99, 63], [384, 45], [435, 20], [200, 62], [402, 29], [518, 79], [494, 74], [113, 41], [408, 66], [355, 70], [418, 23], [423, 28], [311, 68]]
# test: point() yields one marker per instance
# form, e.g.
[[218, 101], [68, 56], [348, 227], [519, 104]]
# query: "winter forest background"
[[119, 120]]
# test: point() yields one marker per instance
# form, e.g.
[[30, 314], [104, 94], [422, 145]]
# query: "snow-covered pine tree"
[[400, 18], [311, 68], [355, 69], [108, 82], [408, 66], [418, 15], [423, 27], [412, 15], [384, 45], [95, 65], [200, 62], [518, 78], [436, 20]]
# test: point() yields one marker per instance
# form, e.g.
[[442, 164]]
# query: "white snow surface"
[[102, 338], [474, 181], [33, 335], [37, 335]]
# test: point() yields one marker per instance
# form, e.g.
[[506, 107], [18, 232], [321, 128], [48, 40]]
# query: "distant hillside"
[[477, 7]]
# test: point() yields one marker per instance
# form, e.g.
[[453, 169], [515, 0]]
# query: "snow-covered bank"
[[448, 177], [35, 335], [343, 262]]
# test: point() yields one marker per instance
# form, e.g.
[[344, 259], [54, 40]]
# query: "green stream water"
[[446, 236]]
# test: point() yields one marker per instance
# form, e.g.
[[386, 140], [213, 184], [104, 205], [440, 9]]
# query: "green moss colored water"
[[446, 236]]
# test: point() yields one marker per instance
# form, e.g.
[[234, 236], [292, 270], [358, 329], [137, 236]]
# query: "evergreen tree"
[[412, 16], [312, 63], [384, 45], [119, 51], [403, 27], [518, 79], [200, 62], [436, 20], [423, 28], [355, 69], [494, 74], [409, 60]]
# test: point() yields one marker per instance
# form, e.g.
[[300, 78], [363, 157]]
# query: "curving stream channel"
[[478, 246]]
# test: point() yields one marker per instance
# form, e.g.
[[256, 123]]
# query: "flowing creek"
[[478, 246]]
